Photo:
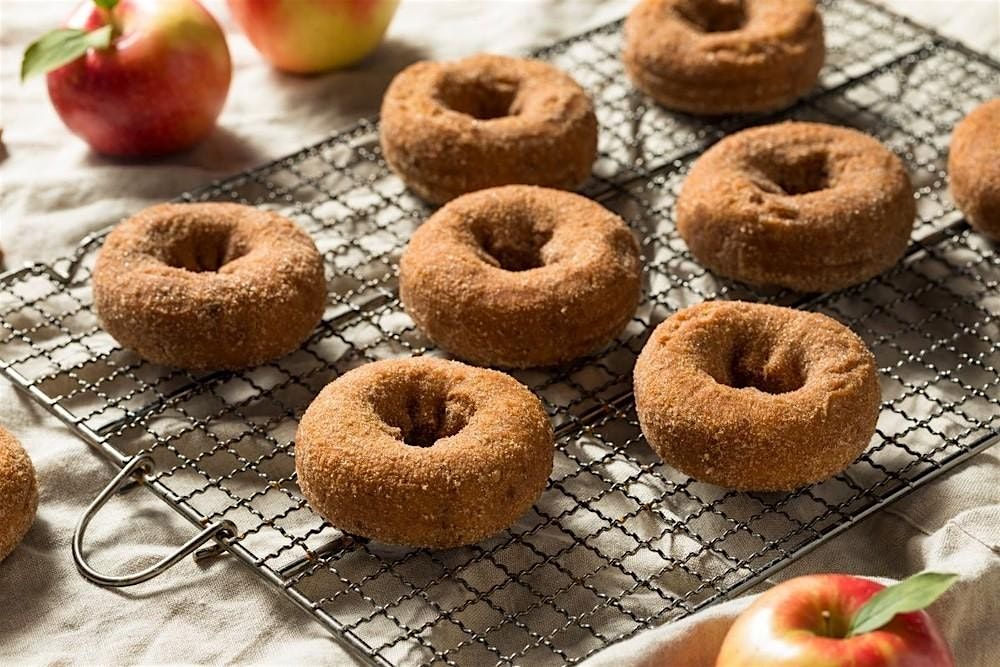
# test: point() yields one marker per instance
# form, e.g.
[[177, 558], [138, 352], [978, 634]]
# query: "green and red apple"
[[307, 36], [836, 620], [136, 77]]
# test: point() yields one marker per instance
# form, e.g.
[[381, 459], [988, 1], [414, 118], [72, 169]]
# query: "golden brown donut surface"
[[209, 286], [974, 168], [756, 397], [423, 452], [521, 276], [448, 128], [18, 493], [806, 206], [724, 56]]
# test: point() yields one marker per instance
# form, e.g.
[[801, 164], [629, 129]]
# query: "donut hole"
[[713, 15], [517, 245], [743, 375], [754, 361], [797, 175], [482, 98], [205, 250], [425, 416]]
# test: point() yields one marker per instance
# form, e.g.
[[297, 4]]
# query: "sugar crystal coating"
[[756, 397], [423, 452], [448, 128], [209, 286], [521, 276], [974, 168], [724, 56]]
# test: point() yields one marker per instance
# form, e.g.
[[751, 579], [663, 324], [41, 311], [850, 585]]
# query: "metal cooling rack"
[[618, 542]]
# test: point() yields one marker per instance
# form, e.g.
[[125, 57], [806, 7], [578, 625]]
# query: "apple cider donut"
[[18, 493], [423, 452], [209, 286], [724, 56], [756, 397], [448, 128], [974, 168], [805, 206], [521, 276]]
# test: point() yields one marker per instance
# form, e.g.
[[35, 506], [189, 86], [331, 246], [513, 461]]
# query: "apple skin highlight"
[[158, 89], [786, 627], [309, 36]]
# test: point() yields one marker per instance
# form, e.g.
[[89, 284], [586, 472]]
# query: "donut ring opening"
[[713, 15], [422, 413], [423, 452], [482, 98], [520, 244], [204, 250], [794, 174], [757, 364]]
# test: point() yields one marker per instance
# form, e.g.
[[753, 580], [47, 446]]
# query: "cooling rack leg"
[[130, 474]]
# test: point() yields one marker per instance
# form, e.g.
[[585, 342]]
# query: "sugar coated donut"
[[18, 493], [974, 168], [423, 452], [521, 276], [806, 206], [209, 286], [724, 56], [756, 397], [455, 127]]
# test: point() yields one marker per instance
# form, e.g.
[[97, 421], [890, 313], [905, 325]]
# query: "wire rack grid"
[[618, 541]]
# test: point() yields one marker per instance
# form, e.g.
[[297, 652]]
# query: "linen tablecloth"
[[54, 191]]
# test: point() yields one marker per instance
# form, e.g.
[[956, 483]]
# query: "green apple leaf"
[[106, 4], [55, 49], [911, 594]]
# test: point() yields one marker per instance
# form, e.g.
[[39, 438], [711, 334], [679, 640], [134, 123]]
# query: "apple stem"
[[112, 20], [826, 622]]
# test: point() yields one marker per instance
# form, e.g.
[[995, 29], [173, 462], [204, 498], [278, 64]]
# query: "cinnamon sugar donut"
[[724, 56], [521, 276], [209, 286], [756, 397], [423, 452], [448, 128], [806, 206], [18, 493], [974, 168]]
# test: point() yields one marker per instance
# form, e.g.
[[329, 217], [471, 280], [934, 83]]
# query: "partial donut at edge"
[[974, 168], [18, 493]]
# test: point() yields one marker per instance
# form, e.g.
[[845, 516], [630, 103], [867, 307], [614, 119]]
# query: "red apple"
[[805, 622], [159, 85], [305, 36]]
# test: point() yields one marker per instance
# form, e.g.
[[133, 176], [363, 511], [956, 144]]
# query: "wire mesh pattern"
[[618, 541]]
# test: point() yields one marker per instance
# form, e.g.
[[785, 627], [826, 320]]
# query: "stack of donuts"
[[514, 270]]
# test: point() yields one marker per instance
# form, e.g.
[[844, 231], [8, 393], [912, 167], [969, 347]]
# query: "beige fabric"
[[54, 191]]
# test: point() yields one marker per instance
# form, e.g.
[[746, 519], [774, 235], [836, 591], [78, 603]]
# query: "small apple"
[[135, 77], [835, 620], [306, 36]]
